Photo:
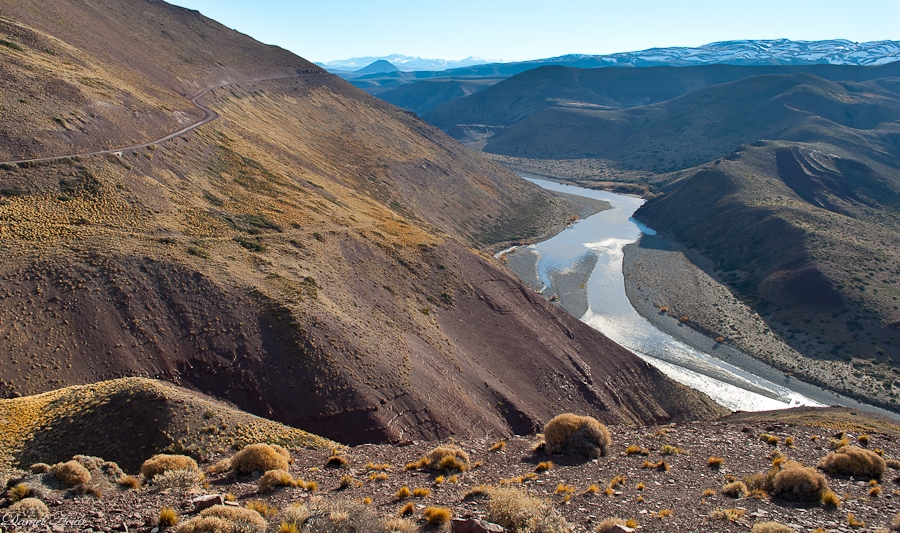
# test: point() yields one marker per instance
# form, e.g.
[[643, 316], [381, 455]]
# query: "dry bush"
[[220, 468], [736, 489], [498, 446], [608, 524], [830, 498], [715, 462], [129, 482], [853, 461], [799, 483], [348, 481], [853, 522], [240, 519], [402, 493], [407, 509], [448, 458], [168, 517], [341, 516], [770, 527], [71, 473], [571, 434], [160, 463], [273, 479], [20, 492], [178, 480], [206, 524], [337, 460], [437, 516], [893, 464], [543, 466], [421, 492], [295, 514], [631, 450], [30, 508], [398, 525], [97, 464], [264, 509], [421, 463], [732, 515], [39, 468], [514, 509], [262, 457]]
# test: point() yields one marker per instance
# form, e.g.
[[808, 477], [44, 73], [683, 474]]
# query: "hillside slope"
[[531, 92], [305, 257], [807, 234], [706, 124]]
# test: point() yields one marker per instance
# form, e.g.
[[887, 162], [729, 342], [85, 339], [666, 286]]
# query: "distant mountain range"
[[403, 63], [421, 90]]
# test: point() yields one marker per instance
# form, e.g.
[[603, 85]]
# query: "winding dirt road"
[[208, 116]]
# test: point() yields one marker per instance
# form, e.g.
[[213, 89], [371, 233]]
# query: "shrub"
[[608, 524], [543, 466], [853, 522], [398, 525], [39, 468], [71, 473], [407, 509], [20, 492], [515, 510], [736, 489], [631, 450], [417, 465], [853, 461], [830, 498], [160, 463], [31, 508], [437, 516], [294, 515], [571, 434], [770, 527], [863, 440], [498, 446], [348, 481], [668, 449], [273, 479], [421, 492], [448, 458], [892, 464], [799, 483], [220, 468], [167, 517], [732, 515], [240, 519], [178, 479], [715, 462], [262, 508], [129, 482], [262, 457], [206, 524], [337, 461], [403, 493]]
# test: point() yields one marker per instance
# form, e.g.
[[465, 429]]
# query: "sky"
[[326, 30]]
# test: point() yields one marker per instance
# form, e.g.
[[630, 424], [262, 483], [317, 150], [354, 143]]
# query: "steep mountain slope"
[[304, 257], [705, 124], [808, 234], [529, 93]]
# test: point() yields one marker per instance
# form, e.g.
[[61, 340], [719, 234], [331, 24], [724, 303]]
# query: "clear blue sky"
[[324, 30]]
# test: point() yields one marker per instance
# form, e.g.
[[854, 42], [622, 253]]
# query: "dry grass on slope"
[[88, 419]]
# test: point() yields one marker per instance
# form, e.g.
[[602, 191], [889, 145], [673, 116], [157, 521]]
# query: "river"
[[603, 236]]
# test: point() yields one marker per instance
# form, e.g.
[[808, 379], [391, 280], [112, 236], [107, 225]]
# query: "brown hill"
[[705, 124], [128, 420], [304, 257], [807, 234]]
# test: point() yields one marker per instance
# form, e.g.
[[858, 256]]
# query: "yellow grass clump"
[[262, 457], [161, 463], [273, 479], [71, 473], [853, 461], [28, 508], [571, 434], [437, 516]]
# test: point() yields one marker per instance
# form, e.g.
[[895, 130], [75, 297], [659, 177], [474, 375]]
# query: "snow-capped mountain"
[[751, 52], [405, 63]]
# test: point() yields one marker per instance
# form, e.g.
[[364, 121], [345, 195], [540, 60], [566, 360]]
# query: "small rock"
[[474, 526], [232, 504], [154, 530], [205, 502]]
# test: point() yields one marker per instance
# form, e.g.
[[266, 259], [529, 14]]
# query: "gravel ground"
[[643, 494]]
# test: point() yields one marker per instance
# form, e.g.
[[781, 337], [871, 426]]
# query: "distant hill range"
[[741, 53], [402, 62]]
